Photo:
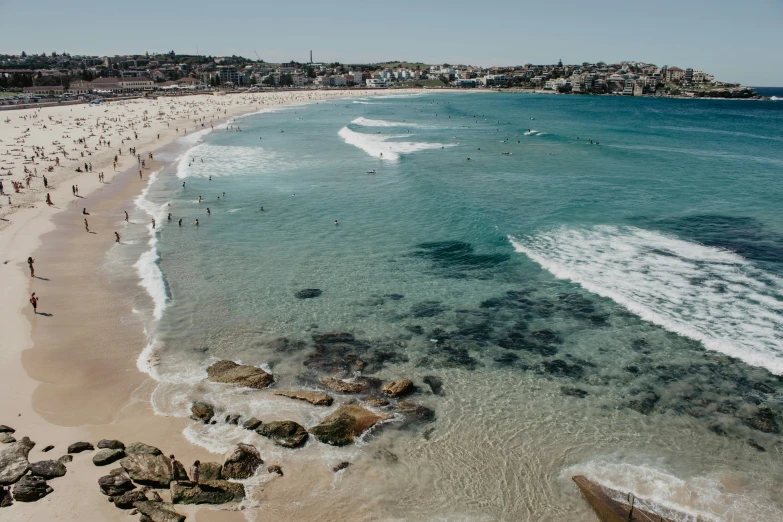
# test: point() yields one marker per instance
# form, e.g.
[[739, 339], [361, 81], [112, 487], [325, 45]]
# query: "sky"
[[737, 41]]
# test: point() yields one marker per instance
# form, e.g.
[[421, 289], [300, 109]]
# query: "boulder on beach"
[[13, 460], [5, 497], [158, 512], [140, 447], [202, 411], [416, 411], [115, 484], [398, 388], [307, 293], [6, 429], [313, 397], [341, 386], [78, 447], [376, 402], [31, 488], [127, 499], [341, 466], [241, 462], [48, 469], [210, 471], [106, 456], [251, 423], [148, 468], [110, 444], [345, 424], [207, 492], [48, 448], [287, 434], [6, 438], [275, 469], [230, 372]]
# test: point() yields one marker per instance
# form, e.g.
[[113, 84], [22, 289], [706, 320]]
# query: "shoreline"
[[73, 375]]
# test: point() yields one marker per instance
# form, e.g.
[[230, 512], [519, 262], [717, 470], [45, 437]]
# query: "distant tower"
[[560, 63], [311, 56]]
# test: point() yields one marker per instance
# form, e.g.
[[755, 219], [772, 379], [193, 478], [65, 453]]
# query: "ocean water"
[[598, 282]]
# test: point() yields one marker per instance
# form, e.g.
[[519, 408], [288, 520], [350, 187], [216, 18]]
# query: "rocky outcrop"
[[115, 484], [435, 384], [30, 489], [210, 471], [202, 411], [341, 386], [13, 460], [147, 465], [78, 447], [288, 434], [251, 423], [110, 444], [48, 469], [608, 509], [127, 499], [6, 429], [727, 92], [341, 466], [398, 388], [764, 420], [416, 411], [207, 492], [241, 462], [315, 398], [158, 512], [275, 469], [6, 438], [307, 293], [106, 456], [345, 424], [230, 372], [376, 402]]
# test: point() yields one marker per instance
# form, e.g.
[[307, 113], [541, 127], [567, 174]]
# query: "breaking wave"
[[364, 122], [381, 146], [707, 294]]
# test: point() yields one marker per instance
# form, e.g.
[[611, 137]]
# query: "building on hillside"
[[674, 74], [688, 76], [228, 74]]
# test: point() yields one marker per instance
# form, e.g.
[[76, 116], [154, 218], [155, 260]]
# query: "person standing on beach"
[[34, 302], [116, 237], [86, 225], [194, 471], [126, 216], [30, 262], [153, 223], [49, 200], [180, 475]]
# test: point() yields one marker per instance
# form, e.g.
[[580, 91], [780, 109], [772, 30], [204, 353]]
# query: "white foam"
[[364, 122], [227, 161], [380, 146], [151, 278], [701, 497], [707, 294]]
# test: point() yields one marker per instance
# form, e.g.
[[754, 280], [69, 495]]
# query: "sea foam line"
[[365, 122], [151, 278], [707, 294], [379, 146]]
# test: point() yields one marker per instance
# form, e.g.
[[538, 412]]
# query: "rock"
[[148, 469], [78, 447], [275, 469], [65, 458], [210, 471], [573, 392], [233, 419], [115, 484], [6, 429], [207, 492], [752, 443], [5, 497], [6, 438], [106, 456], [30, 489], [158, 512], [288, 434], [435, 384], [138, 447], [230, 372], [307, 293], [13, 460], [202, 411], [315, 398], [241, 462], [376, 402], [251, 423], [341, 386], [47, 449], [398, 388], [341, 466], [764, 420], [646, 403], [110, 444], [416, 411], [127, 499], [48, 469], [345, 424]]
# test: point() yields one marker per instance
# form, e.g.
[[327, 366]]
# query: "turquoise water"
[[623, 264]]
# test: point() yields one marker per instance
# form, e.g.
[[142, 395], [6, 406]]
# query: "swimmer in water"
[[336, 223], [196, 222], [169, 216], [180, 222], [199, 199], [208, 212], [262, 209]]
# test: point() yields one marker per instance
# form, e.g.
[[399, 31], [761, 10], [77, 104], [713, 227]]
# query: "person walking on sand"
[[84, 211], [153, 223], [116, 237], [126, 216], [30, 262], [194, 471], [49, 200], [34, 302], [86, 225]]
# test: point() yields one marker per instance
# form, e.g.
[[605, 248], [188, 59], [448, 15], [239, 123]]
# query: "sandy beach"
[[69, 373]]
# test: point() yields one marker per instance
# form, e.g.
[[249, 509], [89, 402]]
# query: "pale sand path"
[[77, 382]]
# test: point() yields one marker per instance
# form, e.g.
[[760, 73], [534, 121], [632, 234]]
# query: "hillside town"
[[30, 78]]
